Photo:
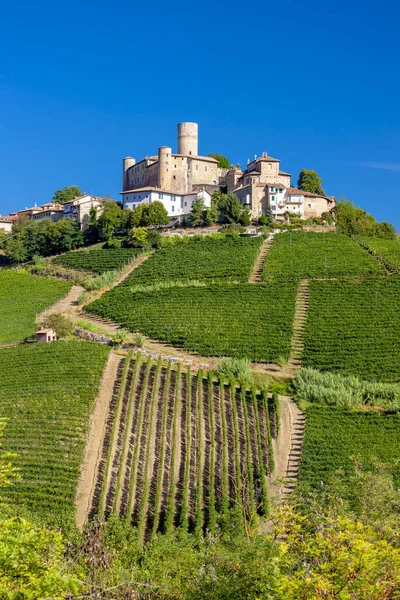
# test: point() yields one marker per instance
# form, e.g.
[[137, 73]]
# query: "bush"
[[139, 340], [119, 338], [104, 280], [112, 243], [235, 368], [154, 239], [61, 324]]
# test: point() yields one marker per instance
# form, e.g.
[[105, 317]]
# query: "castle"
[[178, 179]]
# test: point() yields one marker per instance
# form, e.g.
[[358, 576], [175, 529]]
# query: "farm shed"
[[46, 335]]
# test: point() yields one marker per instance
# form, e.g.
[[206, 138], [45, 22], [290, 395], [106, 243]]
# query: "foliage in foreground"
[[352, 220], [22, 297], [348, 392]]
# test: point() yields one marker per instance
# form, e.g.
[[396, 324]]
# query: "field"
[[98, 261], [309, 255], [229, 258], [354, 327], [46, 392], [180, 449], [22, 297], [389, 250], [254, 321], [333, 436]]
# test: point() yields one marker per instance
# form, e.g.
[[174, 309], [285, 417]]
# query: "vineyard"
[[229, 258], [255, 321], [334, 436], [181, 449], [98, 261], [354, 327], [388, 250], [47, 393], [300, 254], [22, 297]]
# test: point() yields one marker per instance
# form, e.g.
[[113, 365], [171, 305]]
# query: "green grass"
[[389, 250], [47, 393], [305, 254], [98, 261], [204, 259], [253, 321], [353, 327], [334, 436], [22, 297]]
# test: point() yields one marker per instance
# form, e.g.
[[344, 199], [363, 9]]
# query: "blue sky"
[[313, 83]]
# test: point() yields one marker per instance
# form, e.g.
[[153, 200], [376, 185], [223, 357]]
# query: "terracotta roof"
[[284, 173], [7, 219], [294, 192], [45, 331], [277, 185]]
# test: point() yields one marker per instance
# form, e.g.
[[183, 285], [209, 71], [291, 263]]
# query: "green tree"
[[67, 194], [156, 215], [245, 217], [212, 214], [309, 181], [137, 217], [232, 207], [109, 219], [15, 249], [91, 233], [197, 214], [223, 161]]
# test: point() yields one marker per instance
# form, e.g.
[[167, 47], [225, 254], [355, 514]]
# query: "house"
[[26, 213], [51, 210], [6, 224], [46, 335], [78, 209], [176, 205], [264, 186]]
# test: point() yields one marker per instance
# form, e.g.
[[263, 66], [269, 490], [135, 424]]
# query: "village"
[[178, 180]]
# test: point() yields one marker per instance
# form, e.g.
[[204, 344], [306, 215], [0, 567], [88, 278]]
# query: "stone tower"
[[164, 168], [126, 164], [188, 139]]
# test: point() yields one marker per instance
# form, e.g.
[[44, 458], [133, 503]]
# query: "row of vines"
[[181, 450], [98, 261]]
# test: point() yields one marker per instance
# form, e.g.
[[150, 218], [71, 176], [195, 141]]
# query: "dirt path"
[[94, 440], [300, 317], [287, 448], [255, 277], [64, 305]]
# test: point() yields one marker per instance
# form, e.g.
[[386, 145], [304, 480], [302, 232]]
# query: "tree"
[[157, 214], [223, 162], [109, 219], [352, 220], [309, 181], [92, 230], [67, 194], [212, 214], [137, 217], [197, 214], [232, 207], [245, 217]]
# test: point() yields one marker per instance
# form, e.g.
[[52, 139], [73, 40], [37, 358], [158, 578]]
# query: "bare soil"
[[94, 441]]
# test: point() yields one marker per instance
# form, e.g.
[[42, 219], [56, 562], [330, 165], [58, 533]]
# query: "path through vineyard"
[[255, 277], [65, 305], [94, 438]]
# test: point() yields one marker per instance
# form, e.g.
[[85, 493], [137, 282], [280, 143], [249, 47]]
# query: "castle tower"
[[126, 164], [164, 168], [188, 139]]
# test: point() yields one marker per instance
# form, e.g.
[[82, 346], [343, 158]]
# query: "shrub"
[[139, 340], [235, 368], [119, 338], [112, 243], [104, 280], [61, 324]]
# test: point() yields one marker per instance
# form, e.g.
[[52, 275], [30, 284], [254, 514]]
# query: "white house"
[[78, 209], [6, 224], [176, 205]]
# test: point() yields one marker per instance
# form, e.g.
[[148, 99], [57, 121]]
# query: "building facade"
[[78, 209], [264, 186], [176, 205]]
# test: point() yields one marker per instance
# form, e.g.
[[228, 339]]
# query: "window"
[[272, 198], [185, 203], [206, 168], [272, 189], [248, 180], [280, 190], [160, 196], [173, 198], [173, 209], [197, 167], [309, 205], [174, 176], [273, 207]]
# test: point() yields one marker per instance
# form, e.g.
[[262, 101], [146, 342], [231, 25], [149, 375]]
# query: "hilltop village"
[[178, 180]]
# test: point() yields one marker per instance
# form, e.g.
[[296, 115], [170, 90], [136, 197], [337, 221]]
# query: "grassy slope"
[[22, 297], [353, 327], [255, 321], [46, 392], [306, 254], [333, 436]]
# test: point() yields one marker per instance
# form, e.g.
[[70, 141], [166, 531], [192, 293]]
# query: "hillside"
[[162, 436]]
